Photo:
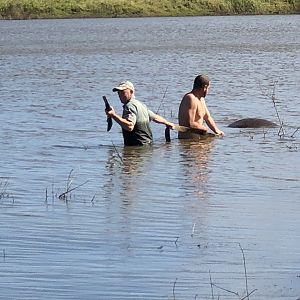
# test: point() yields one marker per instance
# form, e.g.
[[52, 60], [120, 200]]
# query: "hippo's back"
[[252, 123]]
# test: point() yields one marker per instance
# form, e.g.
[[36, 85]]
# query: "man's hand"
[[110, 112], [220, 132], [170, 125]]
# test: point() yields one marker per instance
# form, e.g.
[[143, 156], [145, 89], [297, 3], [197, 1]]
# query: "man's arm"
[[160, 120], [211, 123], [124, 123], [190, 110]]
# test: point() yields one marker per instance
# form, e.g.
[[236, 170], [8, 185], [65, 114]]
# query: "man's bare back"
[[191, 114], [192, 111]]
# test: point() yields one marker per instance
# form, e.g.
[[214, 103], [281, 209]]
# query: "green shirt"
[[137, 113]]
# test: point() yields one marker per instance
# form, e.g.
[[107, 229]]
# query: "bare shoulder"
[[189, 99], [189, 96]]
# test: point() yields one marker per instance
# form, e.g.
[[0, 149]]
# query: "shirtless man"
[[193, 111]]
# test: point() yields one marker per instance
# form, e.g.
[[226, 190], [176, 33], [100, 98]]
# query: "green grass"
[[33, 9]]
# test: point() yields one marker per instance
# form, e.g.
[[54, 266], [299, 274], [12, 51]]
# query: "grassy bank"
[[32, 9]]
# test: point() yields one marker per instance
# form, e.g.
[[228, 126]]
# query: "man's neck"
[[198, 93], [125, 102]]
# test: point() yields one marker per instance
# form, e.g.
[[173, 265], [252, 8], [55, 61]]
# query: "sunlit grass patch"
[[30, 9]]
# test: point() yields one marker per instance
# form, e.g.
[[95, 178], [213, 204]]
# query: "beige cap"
[[124, 85]]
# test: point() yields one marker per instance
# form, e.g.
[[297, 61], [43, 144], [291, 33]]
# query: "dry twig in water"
[[295, 132], [63, 196], [174, 288], [229, 291], [226, 290], [247, 296], [162, 101], [211, 287], [245, 271], [3, 189], [120, 157], [176, 241], [273, 98]]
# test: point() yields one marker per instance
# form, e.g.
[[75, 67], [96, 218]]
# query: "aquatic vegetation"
[[271, 94], [31, 9], [4, 193], [240, 295], [3, 190], [66, 194]]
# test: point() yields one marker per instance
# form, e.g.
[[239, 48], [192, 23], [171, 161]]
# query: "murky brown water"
[[150, 223]]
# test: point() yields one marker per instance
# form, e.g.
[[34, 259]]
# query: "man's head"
[[125, 91], [202, 82]]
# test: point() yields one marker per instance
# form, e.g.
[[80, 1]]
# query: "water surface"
[[157, 222]]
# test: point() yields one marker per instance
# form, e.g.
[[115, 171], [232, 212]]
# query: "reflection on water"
[[195, 157], [134, 160], [152, 222], [126, 167]]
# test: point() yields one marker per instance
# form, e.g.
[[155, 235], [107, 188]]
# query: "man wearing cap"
[[193, 110], [136, 117]]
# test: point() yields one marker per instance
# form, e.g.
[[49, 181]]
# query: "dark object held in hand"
[[107, 107]]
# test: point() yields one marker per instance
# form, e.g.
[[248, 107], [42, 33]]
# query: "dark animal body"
[[252, 123]]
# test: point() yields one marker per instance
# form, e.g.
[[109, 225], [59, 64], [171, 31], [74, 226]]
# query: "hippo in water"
[[252, 123]]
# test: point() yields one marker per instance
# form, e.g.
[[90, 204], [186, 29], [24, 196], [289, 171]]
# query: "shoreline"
[[74, 9]]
